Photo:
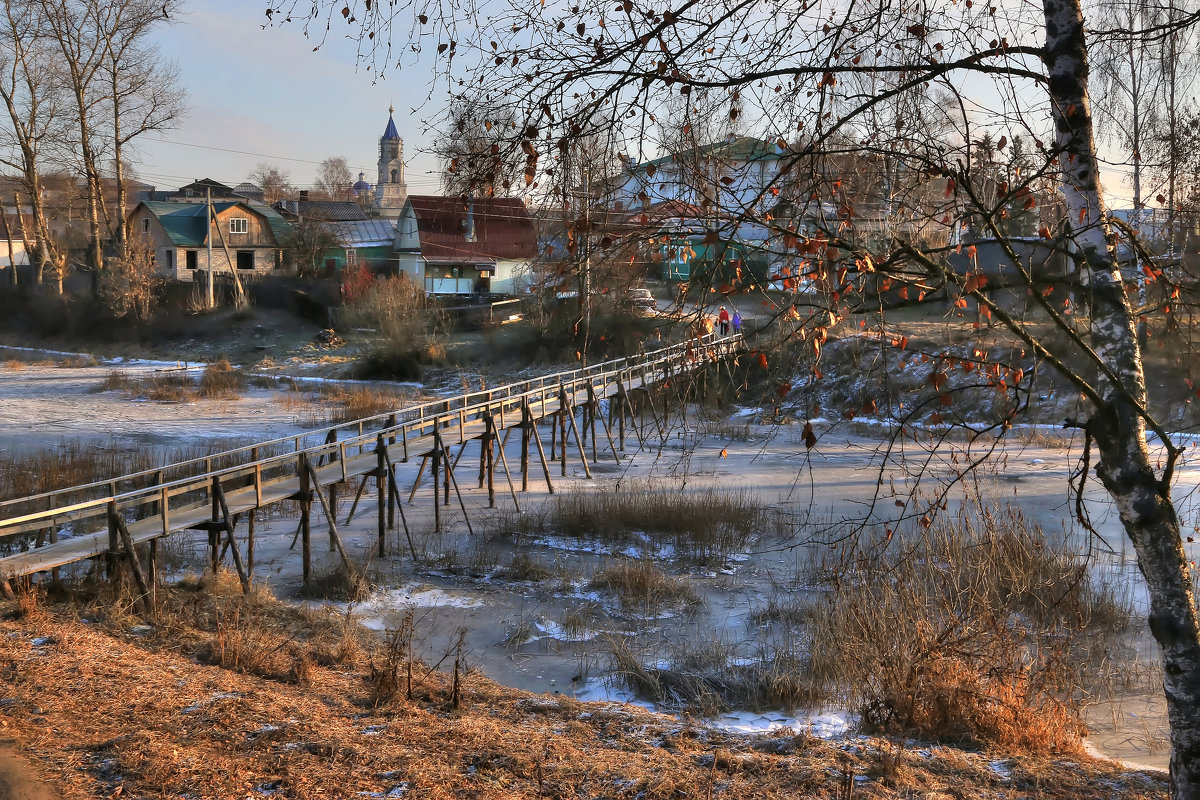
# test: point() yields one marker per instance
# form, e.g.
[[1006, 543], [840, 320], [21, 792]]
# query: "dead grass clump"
[[337, 404], [168, 389], [524, 567], [115, 381], [391, 674], [974, 628], [641, 586], [14, 365], [220, 380], [710, 676], [346, 583], [698, 525]]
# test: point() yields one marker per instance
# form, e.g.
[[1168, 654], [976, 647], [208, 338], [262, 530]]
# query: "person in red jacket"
[[723, 318]]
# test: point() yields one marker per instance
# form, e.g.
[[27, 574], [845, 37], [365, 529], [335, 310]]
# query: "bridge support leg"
[[562, 430], [394, 497], [537, 440], [233, 548], [383, 493], [116, 523], [487, 449], [578, 443], [507, 474], [305, 519], [417, 483], [525, 446], [152, 572], [437, 501], [362, 487]]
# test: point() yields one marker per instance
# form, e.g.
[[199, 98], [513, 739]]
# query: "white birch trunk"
[[1125, 466]]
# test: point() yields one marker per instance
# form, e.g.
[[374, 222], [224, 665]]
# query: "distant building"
[[391, 190], [244, 236], [453, 245]]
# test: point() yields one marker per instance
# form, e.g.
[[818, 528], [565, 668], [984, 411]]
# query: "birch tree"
[[33, 102], [567, 67]]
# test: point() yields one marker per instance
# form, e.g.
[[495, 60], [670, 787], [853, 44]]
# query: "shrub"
[[977, 628]]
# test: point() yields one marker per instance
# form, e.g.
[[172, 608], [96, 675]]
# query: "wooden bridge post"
[[562, 430], [436, 458], [110, 557], [620, 399], [525, 424], [115, 523], [305, 516], [333, 487], [591, 406], [383, 488], [214, 539], [489, 440], [578, 443], [483, 449]]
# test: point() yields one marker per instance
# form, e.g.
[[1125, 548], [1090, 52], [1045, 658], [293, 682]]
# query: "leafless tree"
[[119, 86], [565, 67], [33, 100], [476, 148], [275, 182], [334, 179]]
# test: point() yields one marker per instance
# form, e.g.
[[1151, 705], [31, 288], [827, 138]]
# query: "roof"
[[390, 131], [186, 223], [503, 228], [325, 210], [740, 148], [366, 233]]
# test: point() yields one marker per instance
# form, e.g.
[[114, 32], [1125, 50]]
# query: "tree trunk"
[[1142, 495]]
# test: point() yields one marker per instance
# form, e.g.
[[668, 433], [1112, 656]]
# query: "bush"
[[976, 629]]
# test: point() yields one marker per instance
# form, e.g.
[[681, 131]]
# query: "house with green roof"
[[245, 237]]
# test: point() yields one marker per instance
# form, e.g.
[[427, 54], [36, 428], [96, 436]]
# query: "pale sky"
[[266, 92]]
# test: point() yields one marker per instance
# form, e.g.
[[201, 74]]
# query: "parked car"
[[640, 301]]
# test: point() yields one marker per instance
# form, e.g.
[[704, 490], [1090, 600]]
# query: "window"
[[191, 258], [245, 259], [145, 225], [351, 257], [170, 258], [239, 225]]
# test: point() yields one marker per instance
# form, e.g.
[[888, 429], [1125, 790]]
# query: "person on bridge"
[[723, 318], [737, 321]]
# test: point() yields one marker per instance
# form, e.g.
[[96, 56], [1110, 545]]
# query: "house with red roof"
[[465, 245]]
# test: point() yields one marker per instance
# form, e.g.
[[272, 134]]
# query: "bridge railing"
[[268, 463]]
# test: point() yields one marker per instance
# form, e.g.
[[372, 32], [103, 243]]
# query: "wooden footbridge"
[[110, 519]]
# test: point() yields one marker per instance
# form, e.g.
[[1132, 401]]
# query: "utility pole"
[[208, 240]]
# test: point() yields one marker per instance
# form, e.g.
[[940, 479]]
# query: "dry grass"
[[13, 365], [345, 583], [336, 404], [973, 628], [698, 525], [221, 381], [642, 587], [134, 714]]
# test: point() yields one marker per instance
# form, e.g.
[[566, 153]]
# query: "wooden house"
[[245, 237], [460, 246]]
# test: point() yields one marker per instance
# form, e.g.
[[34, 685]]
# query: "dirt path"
[[18, 779]]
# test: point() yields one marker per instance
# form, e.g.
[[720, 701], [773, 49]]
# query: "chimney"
[[304, 195], [471, 221]]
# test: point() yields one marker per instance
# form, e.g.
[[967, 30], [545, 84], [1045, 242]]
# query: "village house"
[[460, 246], [247, 237]]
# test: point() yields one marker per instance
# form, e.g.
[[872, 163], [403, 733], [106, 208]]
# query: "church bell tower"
[[391, 190]]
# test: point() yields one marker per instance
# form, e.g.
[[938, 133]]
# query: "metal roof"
[[390, 131], [365, 233], [503, 228], [186, 223]]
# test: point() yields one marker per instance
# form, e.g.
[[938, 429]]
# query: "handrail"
[[416, 419]]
